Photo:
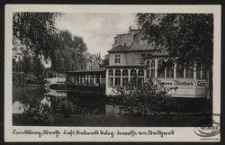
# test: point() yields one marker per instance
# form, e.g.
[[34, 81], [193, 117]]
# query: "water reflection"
[[71, 104]]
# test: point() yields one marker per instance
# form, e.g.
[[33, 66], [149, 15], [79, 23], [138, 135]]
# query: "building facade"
[[133, 60], [92, 61]]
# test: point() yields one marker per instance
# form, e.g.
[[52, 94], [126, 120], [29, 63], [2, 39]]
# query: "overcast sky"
[[97, 30]]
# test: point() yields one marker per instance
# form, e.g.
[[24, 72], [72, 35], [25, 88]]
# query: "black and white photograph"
[[114, 70]]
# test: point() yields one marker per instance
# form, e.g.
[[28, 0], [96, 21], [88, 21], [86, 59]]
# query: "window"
[[189, 71], [125, 77], [140, 77], [169, 72], [110, 77], [79, 79], [118, 72], [103, 75], [180, 72], [125, 81], [170, 69], [203, 73], [111, 81], [82, 79], [133, 76], [161, 70], [76, 79], [200, 72], [125, 73], [152, 69], [148, 69], [117, 58], [110, 72], [117, 77], [133, 73], [92, 79], [141, 73], [97, 78]]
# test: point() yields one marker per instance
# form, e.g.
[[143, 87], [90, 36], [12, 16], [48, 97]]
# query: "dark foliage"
[[144, 99], [187, 36]]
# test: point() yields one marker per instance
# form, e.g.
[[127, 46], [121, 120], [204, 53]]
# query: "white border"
[[182, 134]]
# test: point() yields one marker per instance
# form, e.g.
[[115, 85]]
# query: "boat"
[[56, 87]]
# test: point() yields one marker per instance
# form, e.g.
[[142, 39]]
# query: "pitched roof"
[[139, 47], [135, 45], [118, 48]]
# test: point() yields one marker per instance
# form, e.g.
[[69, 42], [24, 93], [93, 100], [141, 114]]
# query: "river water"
[[76, 104]]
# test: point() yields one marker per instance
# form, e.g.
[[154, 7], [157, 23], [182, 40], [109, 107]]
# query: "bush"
[[19, 79], [144, 99], [38, 114]]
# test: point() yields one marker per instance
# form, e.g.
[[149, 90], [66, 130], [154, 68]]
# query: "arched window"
[[125, 72], [133, 73], [170, 72], [133, 76], [92, 79], [200, 72], [148, 69], [117, 77], [180, 71], [110, 72], [118, 72], [110, 79], [125, 77], [203, 73], [141, 73], [140, 77], [97, 78], [152, 68], [161, 70], [170, 69], [190, 70]]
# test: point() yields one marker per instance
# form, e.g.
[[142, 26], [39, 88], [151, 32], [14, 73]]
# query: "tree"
[[36, 31], [71, 55], [188, 37], [105, 61], [35, 36]]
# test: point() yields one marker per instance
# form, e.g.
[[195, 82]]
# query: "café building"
[[133, 60]]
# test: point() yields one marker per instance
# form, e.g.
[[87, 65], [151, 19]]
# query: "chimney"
[[130, 28]]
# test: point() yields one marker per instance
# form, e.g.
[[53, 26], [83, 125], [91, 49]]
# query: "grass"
[[159, 120]]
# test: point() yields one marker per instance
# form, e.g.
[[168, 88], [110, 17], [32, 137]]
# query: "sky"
[[97, 29]]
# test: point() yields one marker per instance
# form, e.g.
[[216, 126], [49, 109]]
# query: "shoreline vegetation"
[[85, 113]]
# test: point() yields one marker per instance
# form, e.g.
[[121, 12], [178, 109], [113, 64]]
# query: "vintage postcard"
[[112, 73]]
